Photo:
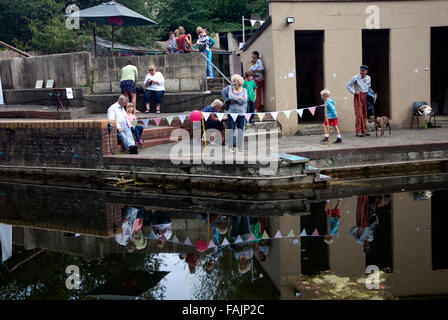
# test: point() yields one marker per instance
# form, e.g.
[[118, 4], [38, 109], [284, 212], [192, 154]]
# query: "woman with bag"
[[183, 41], [155, 85]]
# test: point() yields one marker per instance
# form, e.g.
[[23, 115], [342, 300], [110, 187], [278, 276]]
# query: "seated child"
[[136, 130]]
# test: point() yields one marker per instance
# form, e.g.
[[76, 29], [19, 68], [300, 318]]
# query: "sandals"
[[157, 110], [147, 111]]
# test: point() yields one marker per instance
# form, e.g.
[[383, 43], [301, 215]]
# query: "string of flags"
[[220, 115], [252, 238]]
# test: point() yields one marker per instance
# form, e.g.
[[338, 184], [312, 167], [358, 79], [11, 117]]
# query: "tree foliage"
[[40, 24]]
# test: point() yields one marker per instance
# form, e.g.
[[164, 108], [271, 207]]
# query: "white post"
[[244, 35], [1, 93]]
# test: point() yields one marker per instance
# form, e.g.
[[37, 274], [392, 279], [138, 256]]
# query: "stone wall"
[[185, 72], [67, 70], [182, 72], [73, 143]]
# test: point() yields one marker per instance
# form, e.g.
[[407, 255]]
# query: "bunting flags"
[[238, 239], [290, 234], [278, 234], [252, 237], [260, 116], [312, 110], [211, 244], [188, 242], [247, 116], [220, 115], [303, 234], [134, 123], [145, 122], [287, 113], [300, 112], [265, 235], [169, 119], [205, 115], [182, 118], [315, 233], [175, 239], [234, 116], [157, 121], [225, 242], [274, 115]]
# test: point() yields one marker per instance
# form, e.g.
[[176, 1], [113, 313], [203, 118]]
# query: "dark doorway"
[[438, 230], [375, 54], [439, 69], [380, 253], [309, 46], [314, 253]]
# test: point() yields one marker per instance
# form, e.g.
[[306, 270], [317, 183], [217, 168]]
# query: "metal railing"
[[217, 69]]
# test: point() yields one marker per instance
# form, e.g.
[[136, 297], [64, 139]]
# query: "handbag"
[[139, 89], [186, 47]]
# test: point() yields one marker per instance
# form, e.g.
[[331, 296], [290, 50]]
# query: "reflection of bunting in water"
[[265, 235], [175, 239], [225, 242], [187, 241], [303, 234], [278, 234], [238, 239], [252, 237], [315, 233], [291, 234], [211, 244]]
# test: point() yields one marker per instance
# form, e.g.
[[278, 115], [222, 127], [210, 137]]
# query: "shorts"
[[333, 122], [127, 86]]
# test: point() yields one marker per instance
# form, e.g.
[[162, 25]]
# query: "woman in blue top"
[[204, 46], [332, 116], [237, 96]]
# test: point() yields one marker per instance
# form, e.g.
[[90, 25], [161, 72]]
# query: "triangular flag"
[[211, 244], [303, 234], [220, 115], [274, 115], [234, 116], [187, 241], [278, 234], [252, 237], [291, 234], [261, 22], [157, 121], [300, 112], [238, 239], [312, 110], [315, 233], [247, 116], [261, 275], [169, 119], [225, 242], [182, 117], [260, 116], [205, 115], [145, 122], [265, 235], [252, 22], [287, 113], [134, 123], [175, 239]]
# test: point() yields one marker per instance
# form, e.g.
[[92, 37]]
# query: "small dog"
[[382, 123]]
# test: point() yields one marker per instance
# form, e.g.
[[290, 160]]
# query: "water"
[[384, 239]]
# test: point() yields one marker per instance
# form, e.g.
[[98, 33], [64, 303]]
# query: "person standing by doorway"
[[258, 70], [359, 86]]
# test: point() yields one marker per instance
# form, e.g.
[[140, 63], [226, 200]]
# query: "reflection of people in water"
[[160, 228], [366, 221], [6, 241], [261, 247], [131, 234], [243, 250], [193, 259], [333, 218], [217, 223]]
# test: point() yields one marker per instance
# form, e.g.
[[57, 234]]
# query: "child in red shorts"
[[332, 116]]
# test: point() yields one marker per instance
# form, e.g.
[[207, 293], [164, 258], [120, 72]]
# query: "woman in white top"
[[155, 86]]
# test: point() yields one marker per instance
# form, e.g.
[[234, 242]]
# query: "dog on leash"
[[381, 123]]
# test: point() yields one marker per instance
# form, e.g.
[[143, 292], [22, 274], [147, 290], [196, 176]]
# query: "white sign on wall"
[[1, 92]]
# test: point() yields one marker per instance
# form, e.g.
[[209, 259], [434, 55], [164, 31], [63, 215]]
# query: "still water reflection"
[[61, 243]]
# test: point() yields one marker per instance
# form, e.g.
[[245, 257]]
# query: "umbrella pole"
[[112, 39], [94, 41]]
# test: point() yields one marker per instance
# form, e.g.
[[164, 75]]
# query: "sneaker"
[[325, 139], [140, 141], [359, 135], [338, 140]]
